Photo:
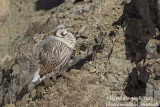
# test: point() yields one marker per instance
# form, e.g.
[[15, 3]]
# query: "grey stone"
[[157, 94]]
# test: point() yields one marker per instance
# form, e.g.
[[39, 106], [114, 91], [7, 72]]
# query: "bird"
[[48, 59], [53, 54]]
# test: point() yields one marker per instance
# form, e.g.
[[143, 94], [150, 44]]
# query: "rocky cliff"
[[117, 52]]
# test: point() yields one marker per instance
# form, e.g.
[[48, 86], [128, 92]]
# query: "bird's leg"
[[50, 75], [42, 78]]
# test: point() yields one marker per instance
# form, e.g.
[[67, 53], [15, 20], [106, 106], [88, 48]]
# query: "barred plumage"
[[53, 54]]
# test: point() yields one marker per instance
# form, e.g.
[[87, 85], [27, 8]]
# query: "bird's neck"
[[65, 41]]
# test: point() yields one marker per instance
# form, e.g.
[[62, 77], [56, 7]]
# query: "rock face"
[[148, 11], [117, 53], [146, 55]]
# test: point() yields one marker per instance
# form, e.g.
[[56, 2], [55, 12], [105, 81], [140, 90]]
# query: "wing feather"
[[53, 55]]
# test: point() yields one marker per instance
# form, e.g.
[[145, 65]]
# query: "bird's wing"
[[53, 55]]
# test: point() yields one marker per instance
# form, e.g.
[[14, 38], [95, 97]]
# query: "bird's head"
[[61, 31], [62, 34]]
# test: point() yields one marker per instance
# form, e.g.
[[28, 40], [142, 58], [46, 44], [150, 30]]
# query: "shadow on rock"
[[48, 4], [135, 87], [139, 20], [76, 1], [80, 63], [136, 32]]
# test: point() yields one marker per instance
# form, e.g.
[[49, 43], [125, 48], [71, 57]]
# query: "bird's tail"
[[30, 83]]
